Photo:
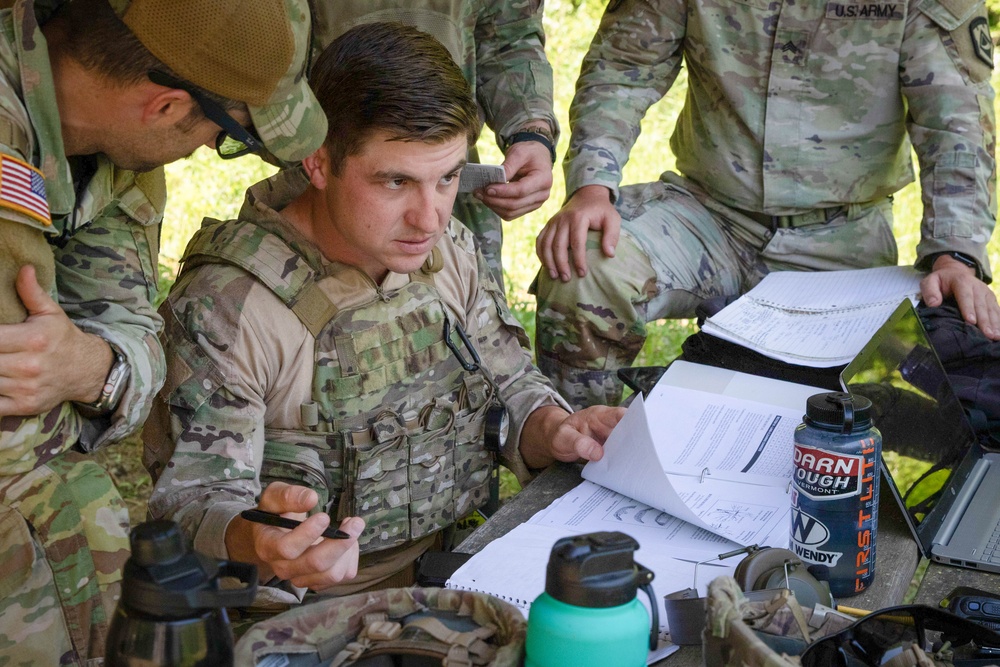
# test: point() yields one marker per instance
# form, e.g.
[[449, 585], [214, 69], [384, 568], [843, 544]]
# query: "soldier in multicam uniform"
[[795, 133], [342, 349], [500, 46], [88, 125]]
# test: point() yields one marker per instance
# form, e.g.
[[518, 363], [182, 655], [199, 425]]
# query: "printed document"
[[709, 446], [815, 318]]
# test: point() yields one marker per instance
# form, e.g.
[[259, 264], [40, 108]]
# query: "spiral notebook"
[[814, 318], [519, 581]]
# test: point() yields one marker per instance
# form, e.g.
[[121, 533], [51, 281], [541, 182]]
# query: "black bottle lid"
[[839, 411], [164, 578], [595, 570]]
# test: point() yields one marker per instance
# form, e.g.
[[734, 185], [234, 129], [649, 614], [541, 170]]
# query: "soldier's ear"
[[168, 106], [317, 168]]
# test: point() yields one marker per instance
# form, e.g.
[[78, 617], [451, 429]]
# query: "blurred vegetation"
[[205, 186]]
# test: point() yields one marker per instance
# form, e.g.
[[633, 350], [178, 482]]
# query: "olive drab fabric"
[[797, 129], [454, 628], [285, 365], [500, 46], [407, 474]]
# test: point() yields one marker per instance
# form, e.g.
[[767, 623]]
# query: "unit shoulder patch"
[[982, 42]]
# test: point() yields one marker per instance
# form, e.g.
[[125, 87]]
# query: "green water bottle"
[[589, 615]]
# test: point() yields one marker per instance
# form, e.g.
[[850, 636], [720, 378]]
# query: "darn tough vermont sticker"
[[982, 43], [22, 189]]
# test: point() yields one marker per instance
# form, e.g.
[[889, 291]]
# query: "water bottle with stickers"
[[835, 491]]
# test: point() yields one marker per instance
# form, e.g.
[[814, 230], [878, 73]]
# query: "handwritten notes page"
[[815, 318]]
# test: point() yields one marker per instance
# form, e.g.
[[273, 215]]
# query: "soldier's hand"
[[302, 556], [976, 300], [47, 359], [528, 166], [564, 238], [552, 434]]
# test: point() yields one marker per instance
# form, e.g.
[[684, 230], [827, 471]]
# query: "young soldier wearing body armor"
[[500, 46], [341, 349]]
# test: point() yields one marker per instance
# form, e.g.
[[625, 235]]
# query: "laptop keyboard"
[[991, 553]]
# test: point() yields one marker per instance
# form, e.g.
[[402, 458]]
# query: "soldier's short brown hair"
[[392, 78]]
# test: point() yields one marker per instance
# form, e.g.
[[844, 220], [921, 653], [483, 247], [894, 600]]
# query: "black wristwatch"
[[960, 257]]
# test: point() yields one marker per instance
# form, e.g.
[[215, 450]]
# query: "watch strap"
[[114, 385], [960, 257], [532, 135]]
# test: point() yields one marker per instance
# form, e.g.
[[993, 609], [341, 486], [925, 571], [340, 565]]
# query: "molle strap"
[[387, 428], [477, 391], [433, 264], [388, 353]]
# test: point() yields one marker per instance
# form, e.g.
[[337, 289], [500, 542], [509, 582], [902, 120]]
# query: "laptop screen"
[[925, 435]]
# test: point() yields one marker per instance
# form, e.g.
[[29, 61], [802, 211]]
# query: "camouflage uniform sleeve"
[[504, 350], [214, 411], [513, 76], [945, 67], [633, 60], [106, 277]]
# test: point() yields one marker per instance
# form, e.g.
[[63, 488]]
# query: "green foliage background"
[[204, 186]]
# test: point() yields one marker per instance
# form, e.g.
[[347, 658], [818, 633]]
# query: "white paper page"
[[725, 382], [591, 508], [819, 340], [745, 515], [818, 319], [698, 433], [632, 465], [830, 290]]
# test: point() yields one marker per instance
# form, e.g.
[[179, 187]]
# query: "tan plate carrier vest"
[[394, 431]]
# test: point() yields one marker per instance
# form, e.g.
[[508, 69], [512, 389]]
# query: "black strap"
[[529, 135]]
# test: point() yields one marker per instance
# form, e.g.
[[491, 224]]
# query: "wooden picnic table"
[[896, 551]]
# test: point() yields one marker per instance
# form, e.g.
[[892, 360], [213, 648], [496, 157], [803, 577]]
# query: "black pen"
[[271, 519]]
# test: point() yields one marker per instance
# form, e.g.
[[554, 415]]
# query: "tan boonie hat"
[[250, 51]]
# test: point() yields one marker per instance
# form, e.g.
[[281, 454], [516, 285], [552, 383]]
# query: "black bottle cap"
[[164, 578], [839, 411], [157, 543], [595, 570]]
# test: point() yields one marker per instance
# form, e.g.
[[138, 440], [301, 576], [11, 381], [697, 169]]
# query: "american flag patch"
[[22, 189]]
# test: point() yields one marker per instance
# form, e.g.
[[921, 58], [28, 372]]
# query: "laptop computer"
[[947, 485]]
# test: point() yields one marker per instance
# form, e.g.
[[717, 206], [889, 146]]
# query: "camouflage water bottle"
[[835, 491]]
